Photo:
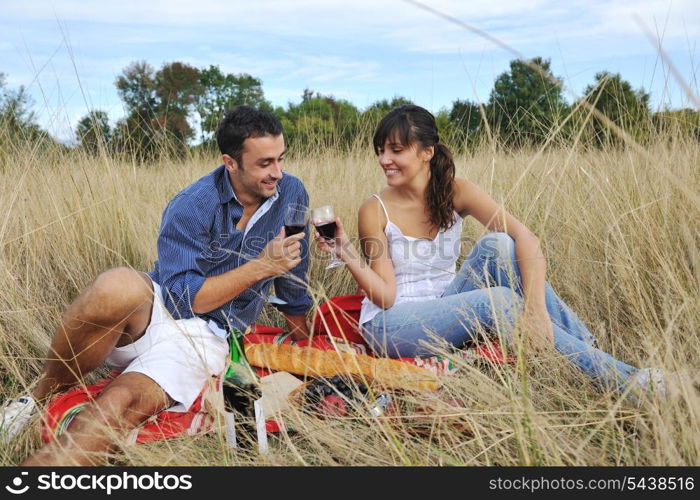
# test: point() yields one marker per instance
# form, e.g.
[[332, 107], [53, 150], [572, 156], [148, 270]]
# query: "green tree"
[[677, 123], [136, 133], [16, 104], [526, 102], [466, 116], [374, 112], [137, 88], [321, 121], [93, 131], [220, 92], [308, 94], [17, 119], [621, 104], [159, 105], [177, 88], [450, 134], [382, 107]]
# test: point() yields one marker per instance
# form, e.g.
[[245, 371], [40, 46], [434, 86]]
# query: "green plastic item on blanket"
[[239, 373]]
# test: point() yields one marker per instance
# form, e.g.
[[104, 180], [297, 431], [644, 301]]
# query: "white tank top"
[[423, 267]]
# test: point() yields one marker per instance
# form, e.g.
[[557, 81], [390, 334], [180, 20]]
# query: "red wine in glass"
[[291, 230], [295, 218], [323, 219], [327, 230]]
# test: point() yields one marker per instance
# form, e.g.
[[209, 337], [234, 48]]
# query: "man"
[[221, 247]]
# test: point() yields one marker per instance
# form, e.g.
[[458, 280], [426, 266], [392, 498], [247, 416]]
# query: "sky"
[[68, 53]]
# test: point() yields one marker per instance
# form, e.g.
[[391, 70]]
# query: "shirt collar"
[[226, 193], [225, 188]]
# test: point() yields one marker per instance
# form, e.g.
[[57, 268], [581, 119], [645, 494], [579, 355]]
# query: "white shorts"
[[179, 355]]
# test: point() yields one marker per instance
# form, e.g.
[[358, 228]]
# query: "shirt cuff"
[[294, 309]]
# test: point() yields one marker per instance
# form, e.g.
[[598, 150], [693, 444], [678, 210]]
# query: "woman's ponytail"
[[440, 187]]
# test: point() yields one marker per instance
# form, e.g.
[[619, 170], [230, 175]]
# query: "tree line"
[[18, 122], [177, 108]]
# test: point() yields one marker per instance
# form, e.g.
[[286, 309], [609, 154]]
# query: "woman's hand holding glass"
[[336, 244], [330, 235]]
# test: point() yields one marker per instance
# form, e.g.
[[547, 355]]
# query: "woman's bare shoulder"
[[463, 191], [462, 184], [369, 200], [372, 203], [370, 212]]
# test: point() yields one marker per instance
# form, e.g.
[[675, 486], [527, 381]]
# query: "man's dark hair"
[[241, 123]]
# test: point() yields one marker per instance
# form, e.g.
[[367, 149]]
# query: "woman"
[[410, 236]]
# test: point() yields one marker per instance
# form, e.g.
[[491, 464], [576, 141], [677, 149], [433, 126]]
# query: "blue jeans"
[[486, 296]]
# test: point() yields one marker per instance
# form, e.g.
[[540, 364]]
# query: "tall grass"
[[622, 244]]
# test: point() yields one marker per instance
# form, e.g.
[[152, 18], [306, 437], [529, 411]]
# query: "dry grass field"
[[620, 229]]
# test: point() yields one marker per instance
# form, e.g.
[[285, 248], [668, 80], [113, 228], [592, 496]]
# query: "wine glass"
[[324, 220], [295, 219]]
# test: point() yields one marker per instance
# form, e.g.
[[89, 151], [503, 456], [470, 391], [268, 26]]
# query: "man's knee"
[[114, 295], [111, 410], [122, 406], [114, 402]]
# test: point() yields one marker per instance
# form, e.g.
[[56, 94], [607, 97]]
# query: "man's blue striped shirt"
[[198, 239]]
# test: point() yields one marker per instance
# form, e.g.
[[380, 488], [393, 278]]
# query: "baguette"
[[318, 363]]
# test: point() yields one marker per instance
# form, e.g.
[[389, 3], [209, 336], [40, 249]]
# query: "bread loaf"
[[317, 363]]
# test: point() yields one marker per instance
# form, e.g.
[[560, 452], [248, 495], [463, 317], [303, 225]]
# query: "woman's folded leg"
[[414, 328], [492, 262], [417, 328]]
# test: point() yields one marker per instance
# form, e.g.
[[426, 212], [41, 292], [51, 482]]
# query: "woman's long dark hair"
[[412, 124]]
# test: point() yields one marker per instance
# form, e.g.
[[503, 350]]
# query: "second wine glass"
[[323, 218]]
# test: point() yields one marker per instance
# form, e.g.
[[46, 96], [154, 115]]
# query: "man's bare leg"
[[114, 310], [122, 405]]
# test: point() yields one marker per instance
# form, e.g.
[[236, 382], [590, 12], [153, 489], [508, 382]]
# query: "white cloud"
[[324, 68], [291, 66], [300, 14], [362, 50], [676, 19], [391, 24]]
